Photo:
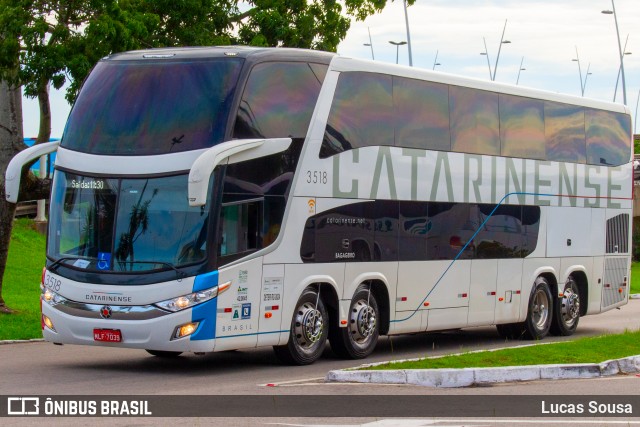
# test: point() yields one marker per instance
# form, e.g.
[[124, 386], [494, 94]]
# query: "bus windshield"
[[152, 107], [125, 225]]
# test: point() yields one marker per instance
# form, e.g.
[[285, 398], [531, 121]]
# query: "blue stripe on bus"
[[467, 244], [205, 313]]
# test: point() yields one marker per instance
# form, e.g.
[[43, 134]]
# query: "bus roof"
[[251, 53]]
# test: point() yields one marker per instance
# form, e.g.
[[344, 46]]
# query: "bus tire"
[[308, 335], [359, 338], [566, 313], [164, 354], [539, 314]]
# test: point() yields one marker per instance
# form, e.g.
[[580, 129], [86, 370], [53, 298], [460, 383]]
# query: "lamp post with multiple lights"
[[486, 53], [492, 76], [583, 84], [615, 91], [397, 45]]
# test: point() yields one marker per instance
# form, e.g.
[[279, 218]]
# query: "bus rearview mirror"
[[14, 169], [235, 151]]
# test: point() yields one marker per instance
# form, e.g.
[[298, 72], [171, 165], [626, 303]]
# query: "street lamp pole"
[[586, 76], [635, 119], [486, 53], [370, 44], [615, 92], [615, 17], [502, 41], [406, 19], [397, 45], [521, 69], [579, 71], [435, 61]]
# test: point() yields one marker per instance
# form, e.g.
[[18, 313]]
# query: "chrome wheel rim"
[[362, 322], [540, 309], [570, 307], [308, 326]]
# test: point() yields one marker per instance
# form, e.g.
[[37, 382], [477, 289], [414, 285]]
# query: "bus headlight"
[[192, 299], [51, 297]]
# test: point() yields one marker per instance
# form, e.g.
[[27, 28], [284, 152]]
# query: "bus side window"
[[278, 100], [522, 127], [475, 124], [361, 114], [608, 138], [564, 129], [241, 225], [421, 113]]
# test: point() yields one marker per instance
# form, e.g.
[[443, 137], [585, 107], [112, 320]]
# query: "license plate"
[[107, 335]]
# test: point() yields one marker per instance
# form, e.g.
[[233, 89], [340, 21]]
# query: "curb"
[[21, 341], [466, 377], [634, 296]]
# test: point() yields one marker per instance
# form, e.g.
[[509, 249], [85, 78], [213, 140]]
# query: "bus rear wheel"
[[540, 311], [308, 334], [566, 313], [359, 338]]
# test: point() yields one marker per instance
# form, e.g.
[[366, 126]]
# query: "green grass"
[[21, 284], [583, 350], [635, 277]]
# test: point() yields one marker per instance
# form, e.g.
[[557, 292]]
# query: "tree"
[[11, 141], [44, 43], [50, 42]]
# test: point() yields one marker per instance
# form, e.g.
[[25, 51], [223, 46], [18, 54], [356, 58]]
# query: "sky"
[[545, 33]]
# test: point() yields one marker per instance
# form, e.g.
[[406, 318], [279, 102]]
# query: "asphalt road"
[[46, 369]]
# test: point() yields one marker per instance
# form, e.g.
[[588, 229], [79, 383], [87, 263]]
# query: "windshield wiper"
[[59, 262]]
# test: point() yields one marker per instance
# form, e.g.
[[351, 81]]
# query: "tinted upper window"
[[373, 110], [152, 107], [422, 114], [278, 100], [361, 114], [608, 137], [522, 127], [564, 129], [474, 121]]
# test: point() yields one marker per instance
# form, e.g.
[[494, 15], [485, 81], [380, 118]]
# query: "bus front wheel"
[[359, 338], [308, 334]]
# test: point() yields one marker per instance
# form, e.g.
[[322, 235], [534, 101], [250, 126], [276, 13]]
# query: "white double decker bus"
[[209, 199]]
